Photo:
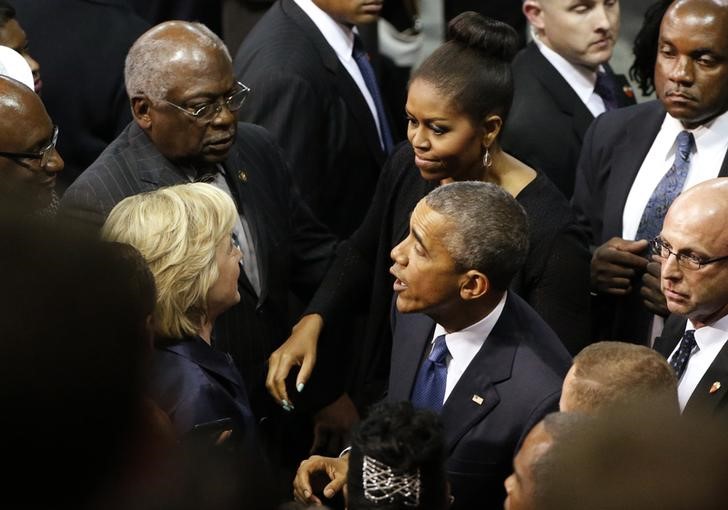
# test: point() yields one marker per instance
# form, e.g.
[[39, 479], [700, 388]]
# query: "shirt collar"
[[339, 36], [467, 342], [579, 78], [705, 135], [710, 334]]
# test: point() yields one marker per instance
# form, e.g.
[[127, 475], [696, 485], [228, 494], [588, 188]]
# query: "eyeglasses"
[[662, 250], [44, 155], [209, 111]]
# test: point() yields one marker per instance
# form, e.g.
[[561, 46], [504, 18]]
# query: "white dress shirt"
[[710, 340], [341, 39], [711, 142], [579, 78], [463, 345]]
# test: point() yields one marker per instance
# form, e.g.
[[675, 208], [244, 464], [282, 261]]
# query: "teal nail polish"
[[299, 387]]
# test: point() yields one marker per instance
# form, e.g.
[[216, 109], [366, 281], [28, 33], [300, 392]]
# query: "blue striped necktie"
[[429, 389], [362, 60]]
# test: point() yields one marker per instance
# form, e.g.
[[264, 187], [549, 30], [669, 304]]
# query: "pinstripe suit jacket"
[[293, 248], [304, 96]]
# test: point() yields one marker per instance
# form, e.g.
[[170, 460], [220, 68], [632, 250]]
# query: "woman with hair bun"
[[457, 103]]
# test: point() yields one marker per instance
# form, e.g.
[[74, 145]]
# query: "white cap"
[[13, 64]]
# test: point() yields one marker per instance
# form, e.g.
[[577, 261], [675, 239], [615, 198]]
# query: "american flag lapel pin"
[[478, 400], [714, 387]]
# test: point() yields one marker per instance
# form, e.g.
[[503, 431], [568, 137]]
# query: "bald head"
[[161, 52], [696, 286]]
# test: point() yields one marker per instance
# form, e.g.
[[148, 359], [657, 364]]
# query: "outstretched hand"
[[615, 263], [298, 350], [334, 468]]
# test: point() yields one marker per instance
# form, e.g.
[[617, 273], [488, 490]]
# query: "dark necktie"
[[667, 189], [362, 60], [679, 361], [606, 88], [429, 389]]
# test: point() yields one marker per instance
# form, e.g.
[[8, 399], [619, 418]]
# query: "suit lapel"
[[195, 349], [476, 394], [562, 93], [724, 167], [355, 102], [411, 335], [626, 160], [708, 395], [152, 168], [242, 183], [671, 335]]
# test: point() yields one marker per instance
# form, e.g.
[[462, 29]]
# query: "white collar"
[[706, 135], [339, 36], [579, 78], [711, 334], [467, 342]]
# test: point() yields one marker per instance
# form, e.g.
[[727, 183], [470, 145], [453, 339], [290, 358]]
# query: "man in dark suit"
[[562, 81], [463, 345], [693, 248], [310, 92], [184, 98], [635, 160]]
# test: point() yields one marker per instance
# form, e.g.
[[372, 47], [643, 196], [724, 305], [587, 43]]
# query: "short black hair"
[[7, 12]]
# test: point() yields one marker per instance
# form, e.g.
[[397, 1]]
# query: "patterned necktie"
[[362, 60], [605, 87], [429, 389], [679, 360], [667, 189]]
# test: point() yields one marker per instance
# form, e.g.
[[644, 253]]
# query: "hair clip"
[[382, 483]]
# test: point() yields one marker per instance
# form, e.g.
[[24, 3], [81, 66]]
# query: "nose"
[[55, 163], [398, 254], [417, 138], [32, 63], [670, 269], [682, 70], [223, 115]]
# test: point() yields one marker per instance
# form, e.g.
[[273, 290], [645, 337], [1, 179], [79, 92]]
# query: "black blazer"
[[292, 247], [702, 403], [548, 120], [615, 146], [304, 96], [518, 375]]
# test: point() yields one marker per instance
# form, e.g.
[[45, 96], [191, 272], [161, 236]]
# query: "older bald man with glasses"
[[29, 162], [185, 101], [692, 249]]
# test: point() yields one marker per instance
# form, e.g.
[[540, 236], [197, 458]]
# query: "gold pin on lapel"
[[715, 387], [478, 399], [242, 176]]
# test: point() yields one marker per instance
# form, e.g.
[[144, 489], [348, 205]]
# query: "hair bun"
[[492, 38]]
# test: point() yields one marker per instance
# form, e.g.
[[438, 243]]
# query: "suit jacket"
[[292, 247], [304, 96], [702, 403], [518, 375], [195, 384], [547, 121], [615, 146]]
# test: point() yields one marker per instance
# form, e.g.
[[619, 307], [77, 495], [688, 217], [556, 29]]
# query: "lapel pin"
[[242, 176], [628, 91], [715, 387], [478, 399]]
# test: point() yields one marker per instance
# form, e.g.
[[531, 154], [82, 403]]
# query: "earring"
[[487, 160]]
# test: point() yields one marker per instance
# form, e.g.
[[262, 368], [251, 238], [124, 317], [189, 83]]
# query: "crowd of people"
[[257, 292]]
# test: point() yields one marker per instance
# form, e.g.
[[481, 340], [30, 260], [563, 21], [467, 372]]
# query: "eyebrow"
[[418, 237]]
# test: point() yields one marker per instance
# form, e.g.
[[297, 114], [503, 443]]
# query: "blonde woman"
[[184, 233]]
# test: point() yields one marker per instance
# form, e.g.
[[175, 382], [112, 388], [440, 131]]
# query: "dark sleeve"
[[585, 201], [81, 204], [291, 109], [347, 281], [561, 294]]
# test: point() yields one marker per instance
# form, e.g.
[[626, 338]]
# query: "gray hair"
[[489, 228], [147, 70]]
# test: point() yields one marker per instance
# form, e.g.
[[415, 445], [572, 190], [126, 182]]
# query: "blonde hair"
[[177, 230]]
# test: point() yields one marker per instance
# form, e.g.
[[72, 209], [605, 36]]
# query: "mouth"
[[398, 285], [372, 7], [672, 295], [425, 164], [679, 96], [602, 43], [221, 144], [37, 85]]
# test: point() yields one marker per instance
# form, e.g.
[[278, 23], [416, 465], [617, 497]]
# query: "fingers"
[[630, 246], [615, 264], [275, 380], [309, 360], [653, 298], [302, 491], [334, 468], [335, 486]]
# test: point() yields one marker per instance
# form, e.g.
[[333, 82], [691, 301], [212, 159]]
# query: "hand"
[[651, 292], [615, 263], [333, 467], [332, 425], [299, 349]]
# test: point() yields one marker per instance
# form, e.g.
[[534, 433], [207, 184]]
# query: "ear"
[[140, 109], [492, 126], [474, 286], [534, 13]]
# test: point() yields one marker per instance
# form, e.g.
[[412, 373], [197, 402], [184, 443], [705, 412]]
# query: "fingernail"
[[329, 493], [306, 494], [299, 387]]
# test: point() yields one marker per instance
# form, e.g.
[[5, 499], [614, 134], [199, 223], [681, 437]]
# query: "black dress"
[[554, 279]]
